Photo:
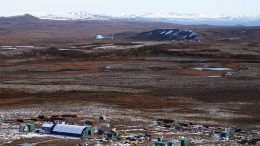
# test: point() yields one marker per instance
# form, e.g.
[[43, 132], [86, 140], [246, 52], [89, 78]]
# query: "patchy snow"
[[99, 37], [67, 49], [169, 32], [168, 35], [211, 68], [106, 47], [193, 34], [13, 48], [64, 49], [31, 135], [163, 32], [72, 16], [214, 76], [25, 46], [6, 46], [9, 131]]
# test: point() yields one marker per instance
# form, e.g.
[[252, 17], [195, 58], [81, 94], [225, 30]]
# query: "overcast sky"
[[116, 7]]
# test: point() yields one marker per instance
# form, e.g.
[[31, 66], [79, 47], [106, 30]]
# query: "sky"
[[118, 7]]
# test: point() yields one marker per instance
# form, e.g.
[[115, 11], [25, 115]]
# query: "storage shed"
[[165, 143], [27, 128], [225, 134], [175, 143], [23, 128], [47, 128], [161, 143], [184, 141], [72, 130], [112, 134], [31, 127]]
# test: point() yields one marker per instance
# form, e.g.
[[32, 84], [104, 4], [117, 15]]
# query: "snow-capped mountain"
[[210, 19], [72, 16], [187, 19], [177, 16]]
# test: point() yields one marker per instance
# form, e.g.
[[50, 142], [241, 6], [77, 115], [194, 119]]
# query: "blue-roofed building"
[[47, 128], [72, 130], [67, 130]]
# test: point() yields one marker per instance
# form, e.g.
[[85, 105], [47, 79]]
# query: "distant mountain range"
[[186, 19], [74, 16], [53, 29]]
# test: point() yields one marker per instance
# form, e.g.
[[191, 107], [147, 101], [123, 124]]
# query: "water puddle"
[[214, 76], [68, 49], [25, 46], [211, 68], [14, 47], [107, 47]]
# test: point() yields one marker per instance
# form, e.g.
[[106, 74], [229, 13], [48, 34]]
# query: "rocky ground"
[[134, 84]]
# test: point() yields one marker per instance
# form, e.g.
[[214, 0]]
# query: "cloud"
[[100, 1]]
